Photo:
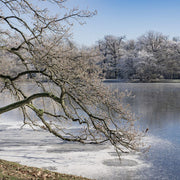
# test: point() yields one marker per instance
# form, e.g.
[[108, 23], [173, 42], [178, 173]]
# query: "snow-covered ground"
[[41, 149]]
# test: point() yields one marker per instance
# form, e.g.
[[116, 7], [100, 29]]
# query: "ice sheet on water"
[[41, 149]]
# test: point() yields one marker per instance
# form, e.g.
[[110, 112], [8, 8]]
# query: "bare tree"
[[152, 41], [35, 49], [111, 49], [165, 53], [145, 66]]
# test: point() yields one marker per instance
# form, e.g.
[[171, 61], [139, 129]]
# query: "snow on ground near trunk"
[[41, 149]]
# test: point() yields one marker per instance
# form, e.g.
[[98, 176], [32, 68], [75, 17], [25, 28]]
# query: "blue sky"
[[127, 17]]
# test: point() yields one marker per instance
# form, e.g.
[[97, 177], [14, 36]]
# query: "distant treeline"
[[152, 56]]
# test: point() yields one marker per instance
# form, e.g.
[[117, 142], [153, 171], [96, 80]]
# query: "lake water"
[[156, 105]]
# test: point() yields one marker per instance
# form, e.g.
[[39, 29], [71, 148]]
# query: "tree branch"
[[27, 101]]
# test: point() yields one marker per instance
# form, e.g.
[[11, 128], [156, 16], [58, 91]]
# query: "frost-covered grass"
[[14, 171]]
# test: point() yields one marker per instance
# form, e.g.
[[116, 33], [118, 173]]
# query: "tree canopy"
[[152, 56], [36, 49]]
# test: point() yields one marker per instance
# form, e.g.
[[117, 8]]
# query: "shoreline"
[[16, 171], [138, 81]]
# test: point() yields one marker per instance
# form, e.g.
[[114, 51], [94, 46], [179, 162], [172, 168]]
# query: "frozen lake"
[[156, 105]]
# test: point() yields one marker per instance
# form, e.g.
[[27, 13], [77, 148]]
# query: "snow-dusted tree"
[[111, 50], [156, 44], [151, 41], [66, 88], [145, 66], [170, 63], [152, 56], [126, 63]]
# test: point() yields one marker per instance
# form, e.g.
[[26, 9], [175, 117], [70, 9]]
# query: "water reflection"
[[157, 105]]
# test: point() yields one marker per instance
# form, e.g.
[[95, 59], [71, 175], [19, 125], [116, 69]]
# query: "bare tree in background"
[[35, 48], [111, 49]]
